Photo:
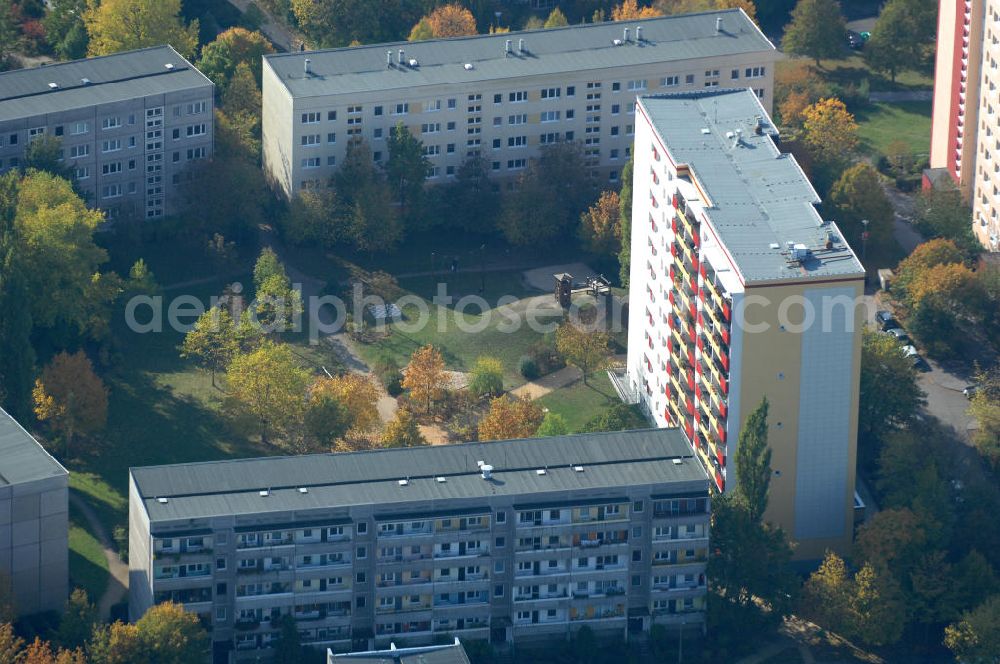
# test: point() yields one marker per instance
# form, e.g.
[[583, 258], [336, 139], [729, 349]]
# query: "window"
[[194, 108], [362, 527], [451, 126], [550, 116], [711, 84], [570, 114], [501, 517], [400, 109], [77, 151], [548, 139], [475, 97], [616, 109], [711, 73], [310, 118], [220, 614], [755, 72], [571, 91], [197, 130], [354, 110], [430, 128], [517, 141], [449, 170], [498, 98], [497, 121], [637, 556], [518, 97], [432, 150], [377, 133], [637, 506], [670, 81], [83, 173], [498, 590], [496, 143], [735, 74], [331, 115], [500, 541], [58, 132], [551, 93], [311, 162], [111, 191], [614, 130], [331, 161], [637, 85], [516, 164], [689, 79], [498, 567], [77, 129], [614, 154], [176, 157], [197, 153], [359, 602], [111, 168], [451, 103], [377, 155], [111, 146], [432, 106], [360, 578], [636, 580], [111, 122], [310, 140], [220, 588], [569, 135]]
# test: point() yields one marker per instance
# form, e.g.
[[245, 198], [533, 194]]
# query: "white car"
[[909, 351]]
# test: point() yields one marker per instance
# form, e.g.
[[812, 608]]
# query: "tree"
[[471, 201], [326, 419], [241, 99], [422, 31], [117, 643], [452, 20], [17, 356], [586, 350], [403, 431], [975, 639], [600, 225], [288, 649], [629, 10], [362, 188], [817, 30], [44, 153], [10, 643], [71, 397], [406, 169], [553, 424], [877, 608], [268, 385], [425, 376], [925, 256], [342, 22], [618, 417], [78, 620], [829, 132], [895, 43], [625, 222], [357, 393], [509, 418], [556, 19], [826, 595], [316, 215], [235, 46], [857, 196], [171, 635], [985, 408], [486, 377], [889, 393], [892, 539], [56, 237], [753, 462], [10, 35], [212, 342], [276, 303], [125, 25], [941, 213], [64, 28]]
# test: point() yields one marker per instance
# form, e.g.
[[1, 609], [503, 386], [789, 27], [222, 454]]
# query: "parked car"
[[885, 320], [910, 351], [900, 334], [889, 324], [970, 391], [854, 39]]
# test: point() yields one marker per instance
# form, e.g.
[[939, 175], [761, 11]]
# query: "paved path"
[[118, 577]]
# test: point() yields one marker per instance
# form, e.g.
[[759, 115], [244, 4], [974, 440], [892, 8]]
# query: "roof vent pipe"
[[520, 46], [388, 59], [307, 67], [507, 48], [718, 25], [401, 59], [625, 38], [638, 33]]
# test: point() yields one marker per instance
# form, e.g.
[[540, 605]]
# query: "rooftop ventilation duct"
[[507, 48], [402, 58], [520, 47], [53, 86], [388, 59], [487, 471], [638, 33], [307, 67], [85, 81], [718, 25], [625, 35], [169, 65]]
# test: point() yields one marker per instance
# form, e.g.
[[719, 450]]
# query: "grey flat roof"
[[22, 459], [760, 196], [555, 51], [112, 78], [443, 654], [609, 460]]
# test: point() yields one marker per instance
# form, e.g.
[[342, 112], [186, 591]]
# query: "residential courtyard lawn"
[[579, 403], [88, 568], [882, 123], [853, 70]]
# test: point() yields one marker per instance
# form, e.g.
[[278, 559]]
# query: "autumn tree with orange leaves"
[[425, 377], [71, 397], [629, 10], [446, 21], [509, 417]]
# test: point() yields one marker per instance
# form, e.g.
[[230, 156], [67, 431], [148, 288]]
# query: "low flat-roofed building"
[[452, 653], [34, 521], [507, 541]]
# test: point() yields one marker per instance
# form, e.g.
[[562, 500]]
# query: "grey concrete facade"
[[129, 124], [616, 547], [34, 522]]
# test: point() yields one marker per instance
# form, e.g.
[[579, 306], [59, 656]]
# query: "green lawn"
[[579, 403], [882, 123], [853, 69], [88, 568]]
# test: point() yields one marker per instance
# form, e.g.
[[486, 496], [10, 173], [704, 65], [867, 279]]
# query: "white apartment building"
[[500, 97], [129, 125], [740, 290]]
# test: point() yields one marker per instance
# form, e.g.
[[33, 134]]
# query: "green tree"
[[556, 19], [235, 46], [317, 216], [64, 28], [268, 385], [327, 420], [125, 25], [406, 170], [212, 342], [753, 462], [941, 213], [78, 620], [878, 613], [858, 196], [618, 417], [44, 153], [553, 424], [403, 431], [895, 43], [241, 97], [985, 408], [826, 595], [975, 639], [10, 35], [889, 393], [362, 189], [276, 303], [422, 31], [587, 350], [486, 377], [625, 222], [817, 30], [288, 649], [17, 356], [342, 22], [471, 202]]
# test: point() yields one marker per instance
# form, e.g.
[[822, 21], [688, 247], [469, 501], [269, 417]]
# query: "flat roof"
[[608, 460], [102, 80], [554, 51], [22, 459], [442, 654], [759, 198]]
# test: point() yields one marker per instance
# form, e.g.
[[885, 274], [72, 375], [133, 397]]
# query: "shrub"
[[528, 368], [388, 373], [486, 377]]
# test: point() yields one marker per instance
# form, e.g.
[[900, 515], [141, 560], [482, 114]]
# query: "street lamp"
[[864, 247]]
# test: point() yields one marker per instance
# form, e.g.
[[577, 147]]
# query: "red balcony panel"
[[694, 311], [671, 272], [670, 345], [695, 263], [722, 433], [650, 339], [720, 483], [723, 410], [670, 320], [697, 239], [702, 270], [724, 333], [689, 430], [700, 343], [727, 312], [690, 380], [673, 249], [720, 457], [689, 406], [724, 385], [673, 201]]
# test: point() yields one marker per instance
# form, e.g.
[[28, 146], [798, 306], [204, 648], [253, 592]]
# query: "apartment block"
[[34, 522], [965, 130], [739, 291], [499, 97], [130, 124], [512, 541]]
